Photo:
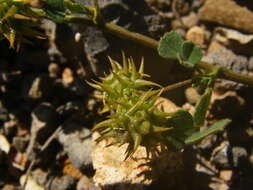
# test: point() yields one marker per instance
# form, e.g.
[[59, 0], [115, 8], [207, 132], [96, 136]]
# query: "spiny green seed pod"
[[131, 101]]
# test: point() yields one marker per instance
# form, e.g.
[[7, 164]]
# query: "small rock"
[[251, 157], [67, 76], [207, 142], [136, 172], [50, 29], [54, 70], [205, 167], [62, 183], [226, 175], [215, 46], [20, 143], [219, 186], [224, 186], [196, 35], [10, 127], [10, 187], [225, 35], [86, 184], [69, 170], [5, 146], [36, 87], [40, 176], [226, 58], [220, 155], [166, 105], [19, 162], [95, 42], [156, 25], [236, 41], [249, 132], [91, 104], [189, 107], [192, 95], [239, 156], [31, 183], [228, 13], [189, 21], [76, 141], [197, 3], [183, 7]]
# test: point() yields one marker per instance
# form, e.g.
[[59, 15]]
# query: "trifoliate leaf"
[[218, 126], [190, 54], [170, 45]]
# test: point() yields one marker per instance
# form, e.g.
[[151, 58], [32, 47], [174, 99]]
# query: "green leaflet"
[[202, 107], [170, 45], [182, 121], [183, 126], [218, 126], [64, 5], [190, 54], [55, 4]]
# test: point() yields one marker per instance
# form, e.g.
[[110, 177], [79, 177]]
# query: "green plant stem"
[[151, 43], [133, 36], [177, 85], [227, 74]]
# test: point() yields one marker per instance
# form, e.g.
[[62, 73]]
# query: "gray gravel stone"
[[76, 142], [226, 58], [220, 155], [62, 183], [86, 184], [239, 155], [40, 176]]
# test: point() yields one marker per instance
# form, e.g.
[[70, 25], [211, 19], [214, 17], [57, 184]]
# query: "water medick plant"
[[134, 117], [128, 97]]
